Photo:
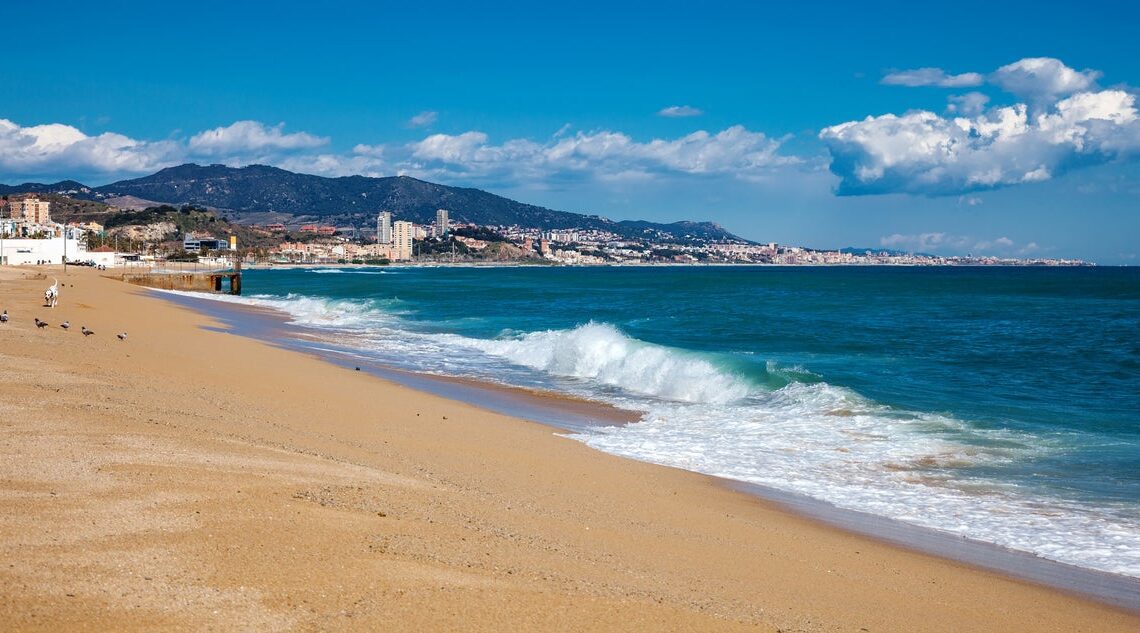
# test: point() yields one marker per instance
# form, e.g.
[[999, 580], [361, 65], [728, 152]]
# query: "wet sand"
[[189, 478]]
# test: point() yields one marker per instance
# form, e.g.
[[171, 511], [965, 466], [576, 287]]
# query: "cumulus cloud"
[[932, 77], [604, 154], [246, 137], [923, 153], [679, 111], [468, 147], [423, 119], [472, 157], [925, 242], [950, 244], [969, 104], [1037, 78], [56, 148]]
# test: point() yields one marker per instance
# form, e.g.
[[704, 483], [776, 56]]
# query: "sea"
[[995, 404]]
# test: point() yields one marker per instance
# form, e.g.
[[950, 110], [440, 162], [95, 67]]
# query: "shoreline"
[[563, 413], [192, 478], [545, 264], [559, 411]]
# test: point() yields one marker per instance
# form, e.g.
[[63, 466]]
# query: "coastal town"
[[29, 235]]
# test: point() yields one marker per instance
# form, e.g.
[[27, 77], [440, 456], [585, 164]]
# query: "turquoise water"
[[1002, 404]]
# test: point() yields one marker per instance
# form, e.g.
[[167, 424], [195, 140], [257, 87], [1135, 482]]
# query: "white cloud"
[[251, 137], [468, 147], [921, 152], [333, 165], [1000, 244], [969, 104], [932, 77], [924, 242], [604, 154], [950, 244], [423, 119], [62, 149], [679, 111], [56, 150], [1037, 78]]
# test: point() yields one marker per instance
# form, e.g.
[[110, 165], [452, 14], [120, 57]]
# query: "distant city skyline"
[[997, 130]]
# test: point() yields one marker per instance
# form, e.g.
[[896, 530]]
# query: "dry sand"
[[191, 479]]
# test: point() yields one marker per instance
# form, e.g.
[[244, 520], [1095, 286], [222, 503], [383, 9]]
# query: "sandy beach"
[[189, 479]]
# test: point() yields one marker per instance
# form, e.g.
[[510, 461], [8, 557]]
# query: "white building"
[[22, 251], [384, 228], [402, 240], [441, 222]]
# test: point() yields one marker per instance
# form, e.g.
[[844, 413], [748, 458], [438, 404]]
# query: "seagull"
[[85, 331], [122, 336], [41, 324], [4, 317], [65, 325]]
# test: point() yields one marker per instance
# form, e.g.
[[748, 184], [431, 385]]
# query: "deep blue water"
[[997, 403]]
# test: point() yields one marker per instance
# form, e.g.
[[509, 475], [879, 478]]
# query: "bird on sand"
[[85, 331], [4, 317], [65, 325], [122, 336], [40, 324]]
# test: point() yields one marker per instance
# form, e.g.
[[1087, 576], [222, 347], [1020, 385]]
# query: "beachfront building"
[[32, 210], [18, 251], [402, 240], [384, 228], [29, 236], [193, 243], [441, 222]]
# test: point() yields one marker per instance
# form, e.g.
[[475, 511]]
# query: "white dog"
[[51, 295]]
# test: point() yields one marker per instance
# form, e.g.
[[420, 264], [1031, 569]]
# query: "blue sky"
[[963, 128]]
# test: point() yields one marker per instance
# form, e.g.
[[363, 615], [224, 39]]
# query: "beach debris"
[[4, 317], [40, 324], [85, 331], [65, 325], [122, 336]]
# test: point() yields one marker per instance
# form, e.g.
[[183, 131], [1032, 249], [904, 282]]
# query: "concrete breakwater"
[[217, 281]]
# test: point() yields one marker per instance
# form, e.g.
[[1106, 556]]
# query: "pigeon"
[[122, 336], [85, 331], [4, 317], [41, 324], [65, 325]]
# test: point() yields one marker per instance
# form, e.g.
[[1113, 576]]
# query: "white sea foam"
[[813, 438], [599, 352], [827, 443]]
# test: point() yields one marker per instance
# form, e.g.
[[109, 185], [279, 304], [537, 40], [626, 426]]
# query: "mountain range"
[[260, 193]]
